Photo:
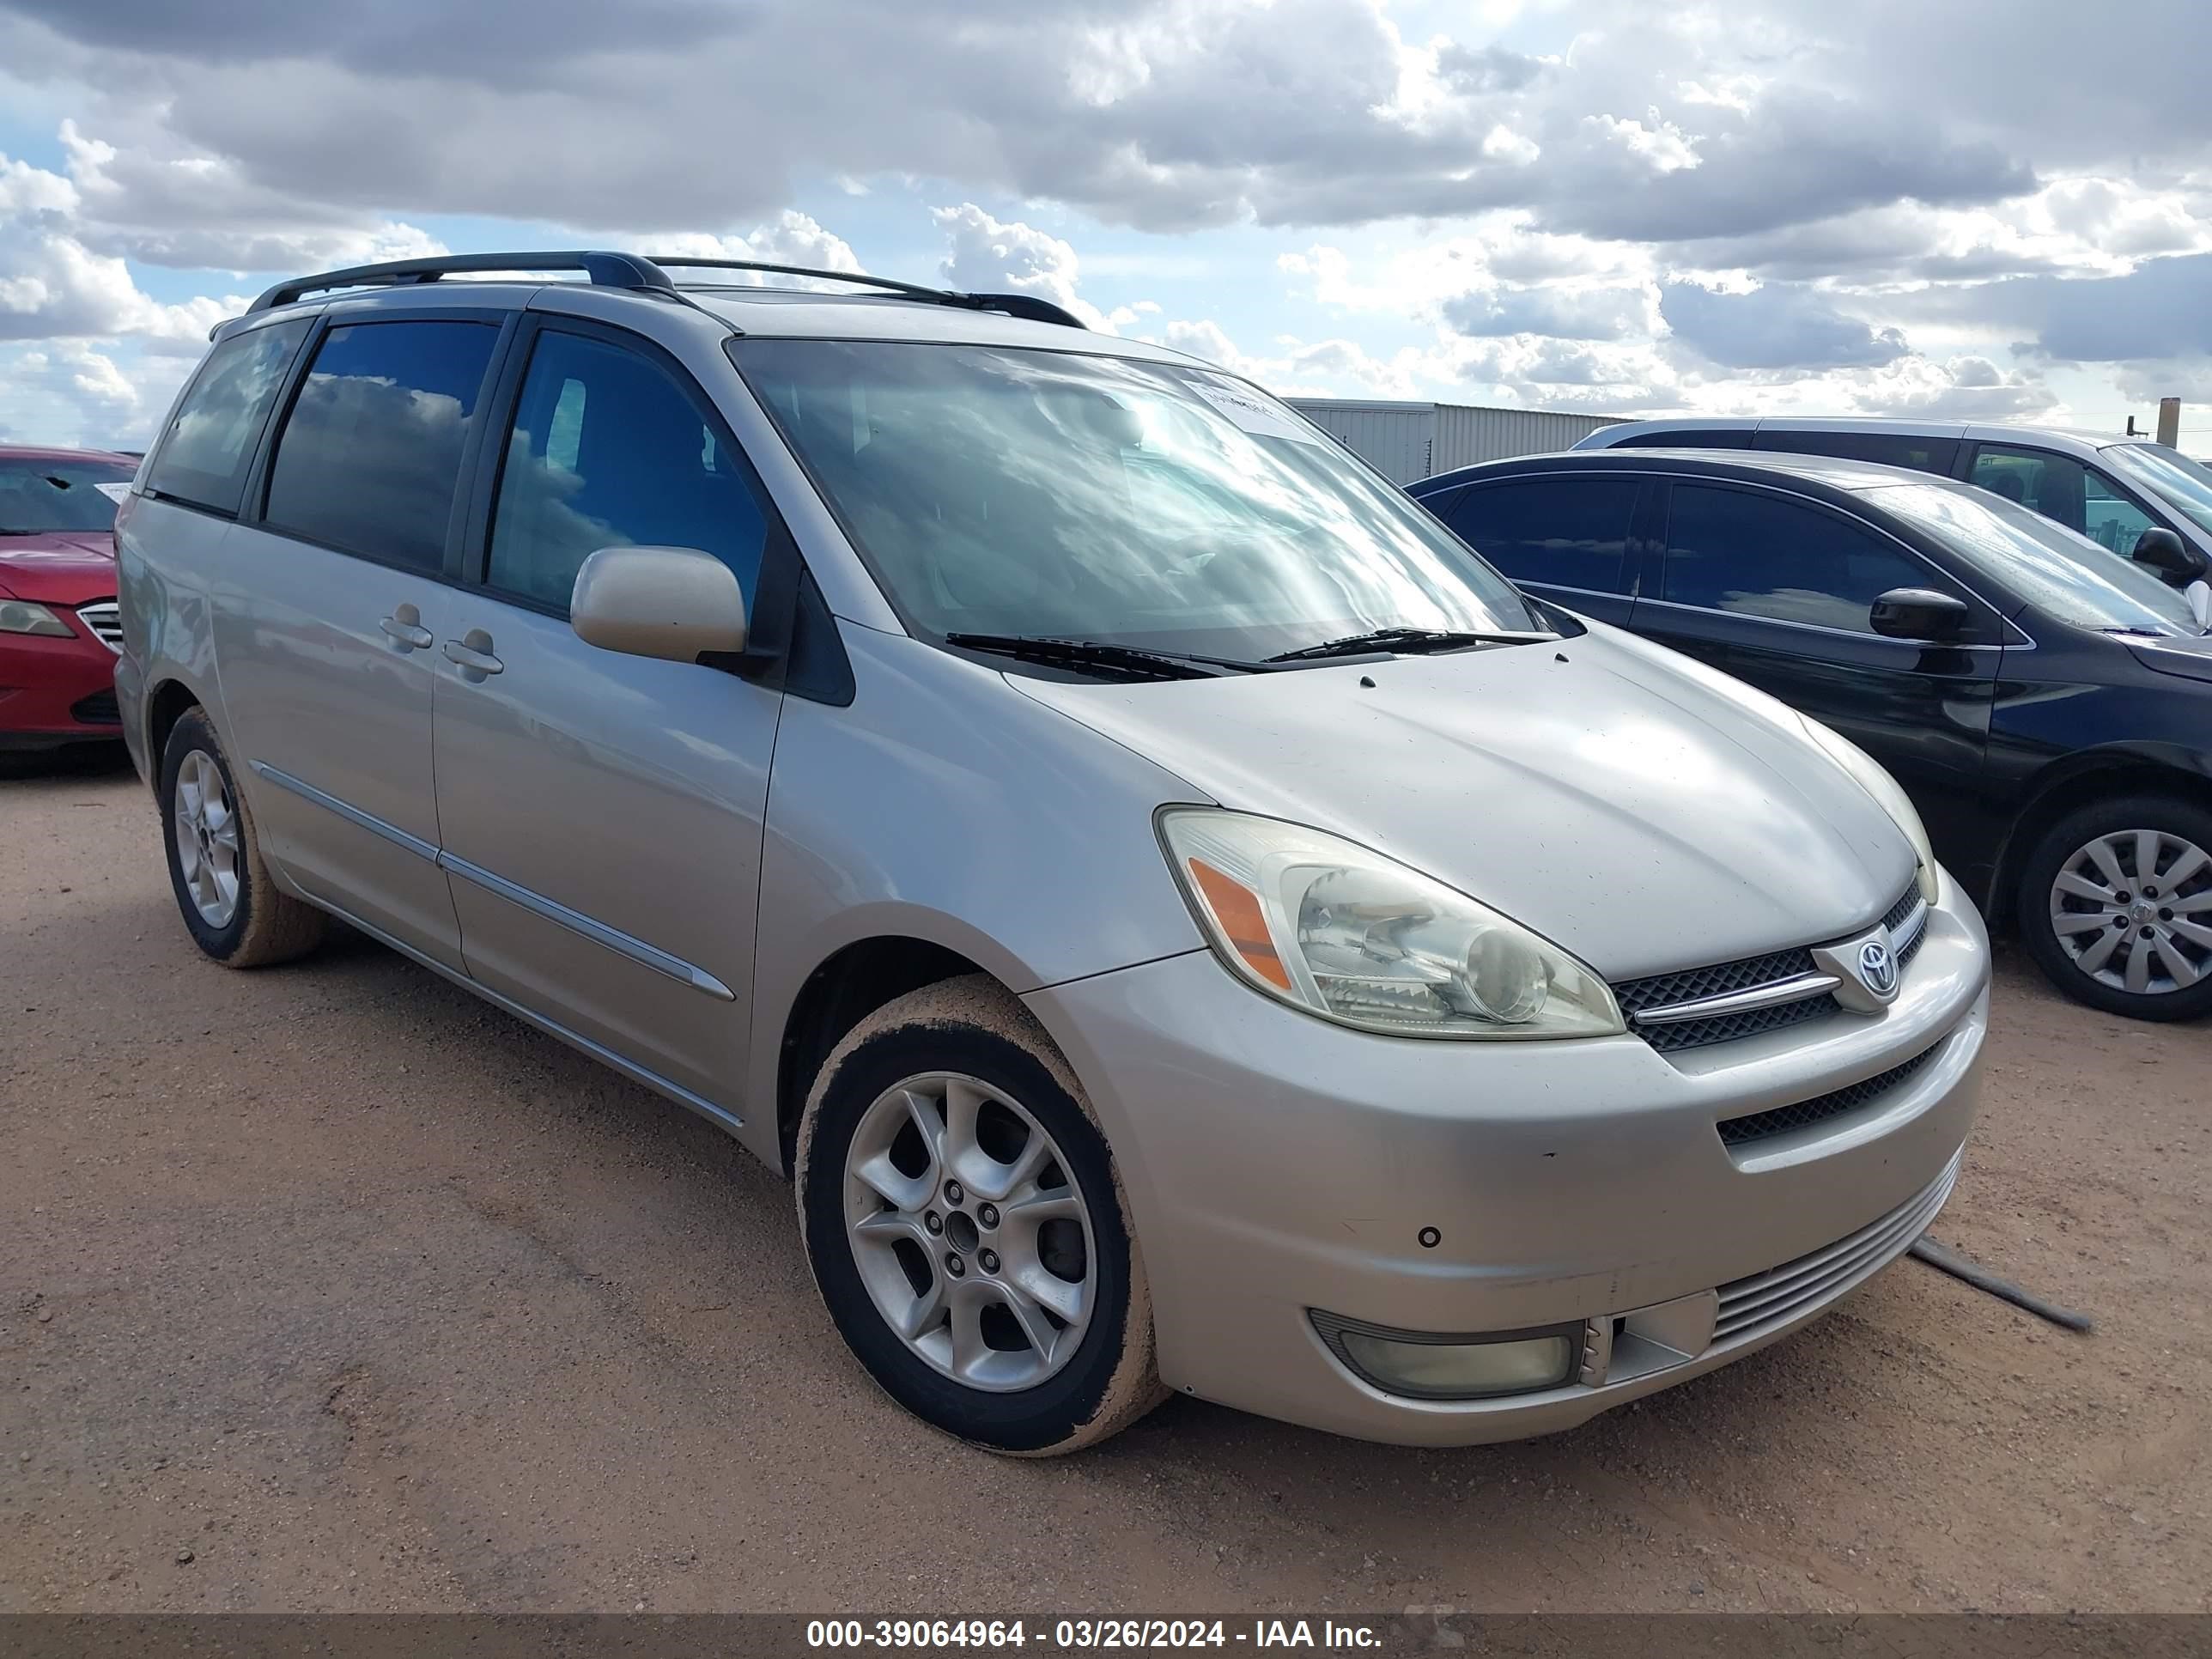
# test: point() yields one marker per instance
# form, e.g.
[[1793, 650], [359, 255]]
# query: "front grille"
[[1661, 990], [1691, 984], [1752, 1306], [1739, 1130], [98, 709], [105, 618]]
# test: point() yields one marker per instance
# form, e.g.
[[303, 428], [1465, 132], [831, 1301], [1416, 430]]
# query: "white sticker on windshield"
[[1253, 411], [115, 492]]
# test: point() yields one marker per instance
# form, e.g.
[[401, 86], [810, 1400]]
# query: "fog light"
[[1422, 1366]]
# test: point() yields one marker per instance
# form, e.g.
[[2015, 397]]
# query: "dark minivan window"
[[1568, 531], [607, 450], [370, 456], [204, 456], [1890, 448], [1764, 554]]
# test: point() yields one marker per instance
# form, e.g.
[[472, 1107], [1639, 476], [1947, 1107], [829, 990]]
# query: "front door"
[[601, 813], [1777, 591]]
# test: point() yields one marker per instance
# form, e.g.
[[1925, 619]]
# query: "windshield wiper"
[[1407, 640], [1100, 654]]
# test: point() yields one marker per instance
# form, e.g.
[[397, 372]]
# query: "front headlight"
[[1327, 925], [1868, 772], [21, 617]]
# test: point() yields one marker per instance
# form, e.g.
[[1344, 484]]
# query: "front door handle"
[[472, 653], [403, 628]]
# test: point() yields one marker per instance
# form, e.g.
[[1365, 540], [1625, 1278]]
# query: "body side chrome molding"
[[575, 922], [584, 927], [353, 815], [719, 1116]]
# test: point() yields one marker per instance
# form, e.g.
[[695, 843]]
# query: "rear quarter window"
[[206, 450]]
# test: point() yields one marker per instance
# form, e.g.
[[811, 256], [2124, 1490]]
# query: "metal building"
[[1408, 440]]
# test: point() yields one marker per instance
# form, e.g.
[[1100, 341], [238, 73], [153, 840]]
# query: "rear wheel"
[[231, 907], [967, 1229], [2115, 905]]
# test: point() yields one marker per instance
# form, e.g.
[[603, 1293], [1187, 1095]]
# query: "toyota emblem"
[[1878, 969]]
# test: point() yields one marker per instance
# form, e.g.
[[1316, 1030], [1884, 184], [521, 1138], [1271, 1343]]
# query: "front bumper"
[[55, 690], [1277, 1165]]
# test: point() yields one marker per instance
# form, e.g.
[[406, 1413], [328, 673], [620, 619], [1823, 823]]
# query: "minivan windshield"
[[38, 497], [2183, 484], [2059, 571], [1003, 491]]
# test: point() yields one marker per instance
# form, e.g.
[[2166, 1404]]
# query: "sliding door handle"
[[472, 654]]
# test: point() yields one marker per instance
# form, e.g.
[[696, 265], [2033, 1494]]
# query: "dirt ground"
[[328, 1287]]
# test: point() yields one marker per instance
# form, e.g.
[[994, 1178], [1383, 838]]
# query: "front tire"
[[232, 907], [2115, 904], [967, 1229]]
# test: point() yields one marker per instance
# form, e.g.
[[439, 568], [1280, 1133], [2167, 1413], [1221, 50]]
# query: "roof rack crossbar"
[[605, 270], [1027, 305]]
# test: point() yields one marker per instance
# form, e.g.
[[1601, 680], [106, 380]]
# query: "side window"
[[608, 450], [1571, 532], [204, 456], [1758, 555], [2108, 517], [369, 459], [1936, 455], [2061, 488]]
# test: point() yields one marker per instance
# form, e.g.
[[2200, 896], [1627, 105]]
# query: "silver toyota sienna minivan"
[[1183, 922]]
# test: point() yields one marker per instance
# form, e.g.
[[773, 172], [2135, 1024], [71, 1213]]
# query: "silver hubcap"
[[969, 1231], [206, 828], [2134, 909]]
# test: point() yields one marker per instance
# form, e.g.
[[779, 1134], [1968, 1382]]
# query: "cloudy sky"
[[1949, 208]]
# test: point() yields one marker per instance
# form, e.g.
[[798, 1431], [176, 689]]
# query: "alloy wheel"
[[2133, 911], [969, 1234], [205, 825]]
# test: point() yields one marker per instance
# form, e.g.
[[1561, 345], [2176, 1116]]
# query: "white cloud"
[[987, 256]]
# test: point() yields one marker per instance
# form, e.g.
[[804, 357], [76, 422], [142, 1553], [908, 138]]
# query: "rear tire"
[[1026, 1315], [2115, 904], [232, 907]]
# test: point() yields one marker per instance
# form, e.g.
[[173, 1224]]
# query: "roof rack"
[[1026, 306], [639, 272], [605, 270]]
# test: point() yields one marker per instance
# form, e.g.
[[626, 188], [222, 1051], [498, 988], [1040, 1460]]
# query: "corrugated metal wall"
[[1410, 441], [1465, 435], [1396, 440]]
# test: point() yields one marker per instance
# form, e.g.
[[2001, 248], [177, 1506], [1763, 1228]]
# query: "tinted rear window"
[[1570, 531], [203, 455], [1890, 448], [370, 456]]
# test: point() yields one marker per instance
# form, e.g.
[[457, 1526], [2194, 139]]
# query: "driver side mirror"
[[1919, 613], [676, 603], [2177, 563]]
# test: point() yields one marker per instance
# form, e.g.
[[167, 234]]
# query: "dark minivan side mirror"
[[1919, 613], [2176, 562]]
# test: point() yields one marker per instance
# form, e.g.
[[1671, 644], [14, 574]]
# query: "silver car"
[[1183, 922]]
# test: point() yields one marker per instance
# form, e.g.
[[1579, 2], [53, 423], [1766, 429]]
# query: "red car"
[[60, 632]]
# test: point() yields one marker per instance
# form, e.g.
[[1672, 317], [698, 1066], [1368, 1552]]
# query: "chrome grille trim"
[[1751, 1306], [1795, 989], [105, 618]]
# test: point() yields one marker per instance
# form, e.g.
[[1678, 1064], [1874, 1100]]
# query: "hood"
[[1638, 809], [59, 567]]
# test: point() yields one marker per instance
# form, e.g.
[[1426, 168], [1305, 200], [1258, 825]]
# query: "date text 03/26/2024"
[[1071, 1634]]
